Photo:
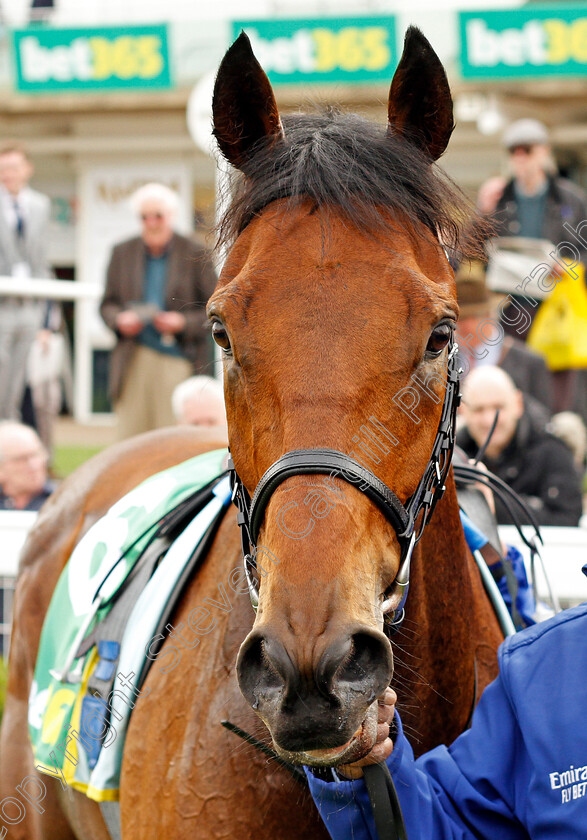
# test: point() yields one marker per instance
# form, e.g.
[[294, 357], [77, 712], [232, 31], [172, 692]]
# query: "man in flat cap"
[[537, 203]]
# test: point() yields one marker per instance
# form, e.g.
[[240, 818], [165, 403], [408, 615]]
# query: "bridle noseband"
[[408, 521]]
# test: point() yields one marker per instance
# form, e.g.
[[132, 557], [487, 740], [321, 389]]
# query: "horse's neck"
[[445, 651]]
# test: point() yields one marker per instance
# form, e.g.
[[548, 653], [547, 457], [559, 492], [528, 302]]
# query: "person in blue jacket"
[[519, 772]]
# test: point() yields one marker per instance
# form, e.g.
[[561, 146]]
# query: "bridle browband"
[[408, 521]]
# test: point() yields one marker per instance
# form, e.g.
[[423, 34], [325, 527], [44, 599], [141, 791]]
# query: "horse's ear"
[[420, 104], [243, 106]]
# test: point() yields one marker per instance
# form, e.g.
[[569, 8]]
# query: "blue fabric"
[[519, 772], [92, 724], [108, 650], [155, 277], [475, 538], [105, 670], [154, 292], [525, 602]]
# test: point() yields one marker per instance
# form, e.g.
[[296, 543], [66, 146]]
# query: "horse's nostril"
[[363, 662], [330, 662], [261, 667]]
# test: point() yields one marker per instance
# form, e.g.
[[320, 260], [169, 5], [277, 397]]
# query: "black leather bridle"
[[408, 521]]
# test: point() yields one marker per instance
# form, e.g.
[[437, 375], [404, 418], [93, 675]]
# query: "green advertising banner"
[[101, 58], [323, 50], [524, 43]]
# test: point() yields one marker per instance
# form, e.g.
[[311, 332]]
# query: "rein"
[[408, 521]]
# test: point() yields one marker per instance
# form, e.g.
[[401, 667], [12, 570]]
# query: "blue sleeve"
[[464, 792]]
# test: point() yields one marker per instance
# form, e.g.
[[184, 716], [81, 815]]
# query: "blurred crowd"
[[524, 392], [526, 410]]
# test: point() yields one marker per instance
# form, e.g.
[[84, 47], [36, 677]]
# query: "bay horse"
[[335, 311]]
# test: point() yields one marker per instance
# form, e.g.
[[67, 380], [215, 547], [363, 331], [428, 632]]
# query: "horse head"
[[335, 311]]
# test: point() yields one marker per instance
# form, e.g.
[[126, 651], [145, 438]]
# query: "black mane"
[[345, 162]]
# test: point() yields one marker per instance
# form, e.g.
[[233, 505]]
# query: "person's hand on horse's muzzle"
[[383, 745]]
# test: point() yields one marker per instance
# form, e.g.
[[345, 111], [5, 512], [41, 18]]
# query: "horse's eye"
[[439, 338], [220, 336]]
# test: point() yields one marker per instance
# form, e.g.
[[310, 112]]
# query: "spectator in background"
[[482, 340], [537, 465], [24, 216], [24, 483], [569, 427], [156, 292], [199, 401], [537, 203]]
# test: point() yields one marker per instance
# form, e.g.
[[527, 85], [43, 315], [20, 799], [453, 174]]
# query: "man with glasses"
[[24, 482], [537, 203], [157, 287]]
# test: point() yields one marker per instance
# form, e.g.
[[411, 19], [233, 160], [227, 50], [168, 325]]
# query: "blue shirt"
[[154, 292], [521, 770]]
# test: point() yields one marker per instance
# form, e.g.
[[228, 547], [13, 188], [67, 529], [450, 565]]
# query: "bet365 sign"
[[323, 50], [101, 58], [524, 43]]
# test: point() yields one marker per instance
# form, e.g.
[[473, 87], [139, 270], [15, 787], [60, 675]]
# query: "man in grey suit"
[[24, 216], [157, 286]]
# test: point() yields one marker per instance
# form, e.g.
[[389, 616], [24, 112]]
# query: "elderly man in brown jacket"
[[156, 292]]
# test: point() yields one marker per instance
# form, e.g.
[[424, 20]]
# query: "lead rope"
[[387, 812]]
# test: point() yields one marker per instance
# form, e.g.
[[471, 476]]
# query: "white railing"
[[564, 553], [14, 528], [49, 289]]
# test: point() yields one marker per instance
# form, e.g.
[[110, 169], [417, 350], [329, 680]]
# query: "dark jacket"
[[190, 282], [565, 202], [527, 369], [540, 468], [36, 503]]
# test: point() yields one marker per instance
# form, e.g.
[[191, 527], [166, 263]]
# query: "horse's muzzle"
[[314, 706]]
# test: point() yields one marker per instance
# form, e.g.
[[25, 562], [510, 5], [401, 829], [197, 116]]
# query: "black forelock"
[[343, 161]]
